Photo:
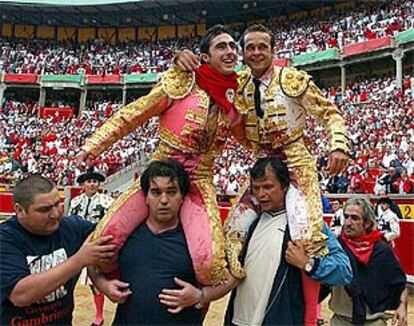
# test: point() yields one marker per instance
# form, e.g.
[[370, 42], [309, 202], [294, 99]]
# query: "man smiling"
[[196, 113], [274, 103]]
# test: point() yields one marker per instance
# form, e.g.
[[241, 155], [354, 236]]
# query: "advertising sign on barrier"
[[407, 211]]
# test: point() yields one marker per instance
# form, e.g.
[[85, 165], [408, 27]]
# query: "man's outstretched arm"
[[35, 287], [122, 123]]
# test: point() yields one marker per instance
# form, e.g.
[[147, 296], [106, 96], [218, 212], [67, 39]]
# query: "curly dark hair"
[[165, 168]]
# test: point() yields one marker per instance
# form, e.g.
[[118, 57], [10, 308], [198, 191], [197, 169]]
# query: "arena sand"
[[84, 311]]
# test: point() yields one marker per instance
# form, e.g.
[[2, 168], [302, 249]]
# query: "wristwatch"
[[309, 265], [200, 303]]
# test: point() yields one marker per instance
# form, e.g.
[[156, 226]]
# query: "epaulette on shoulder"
[[177, 84], [294, 82], [243, 78]]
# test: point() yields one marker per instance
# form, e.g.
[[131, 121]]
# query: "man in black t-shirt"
[[41, 255], [155, 255]]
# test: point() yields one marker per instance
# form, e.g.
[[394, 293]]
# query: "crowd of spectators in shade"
[[293, 37], [380, 118]]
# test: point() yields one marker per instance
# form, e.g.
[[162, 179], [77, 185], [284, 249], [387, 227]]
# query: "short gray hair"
[[369, 213]]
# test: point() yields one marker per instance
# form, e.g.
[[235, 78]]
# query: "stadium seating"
[[379, 114], [379, 117], [294, 37]]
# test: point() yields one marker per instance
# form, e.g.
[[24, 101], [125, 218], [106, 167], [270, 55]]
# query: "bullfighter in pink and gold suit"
[[193, 128]]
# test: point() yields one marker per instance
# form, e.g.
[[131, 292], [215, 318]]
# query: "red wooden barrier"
[[367, 46], [107, 79], [20, 78], [404, 245], [6, 203]]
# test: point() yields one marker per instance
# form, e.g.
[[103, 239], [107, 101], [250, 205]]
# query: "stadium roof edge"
[[67, 3], [143, 13]]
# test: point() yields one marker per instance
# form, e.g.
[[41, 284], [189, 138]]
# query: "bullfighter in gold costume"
[[274, 103], [194, 125]]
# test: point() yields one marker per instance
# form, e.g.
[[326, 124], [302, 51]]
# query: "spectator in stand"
[[355, 180], [388, 180], [232, 186], [388, 157], [332, 186], [343, 182], [403, 183]]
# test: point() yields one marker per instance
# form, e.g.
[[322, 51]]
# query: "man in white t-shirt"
[[273, 262], [272, 291]]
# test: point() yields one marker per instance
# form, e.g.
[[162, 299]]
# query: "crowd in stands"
[[30, 144], [232, 168], [339, 29], [27, 107], [380, 118], [378, 114], [306, 35], [95, 57]]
